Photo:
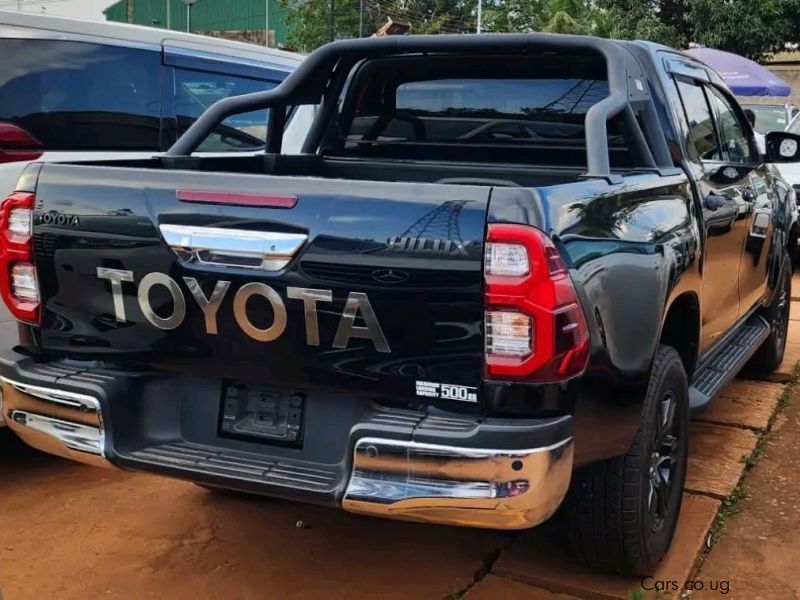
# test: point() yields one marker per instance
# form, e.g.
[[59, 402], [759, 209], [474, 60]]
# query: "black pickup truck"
[[498, 280]]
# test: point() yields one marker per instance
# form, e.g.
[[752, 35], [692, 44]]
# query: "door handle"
[[714, 201], [244, 248]]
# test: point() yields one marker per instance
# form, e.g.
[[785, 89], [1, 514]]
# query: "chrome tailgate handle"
[[264, 250]]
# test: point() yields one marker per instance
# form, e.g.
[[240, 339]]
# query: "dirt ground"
[[71, 531], [759, 551]]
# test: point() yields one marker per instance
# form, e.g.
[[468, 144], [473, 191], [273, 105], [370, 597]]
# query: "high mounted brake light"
[[535, 328], [18, 284], [16, 144]]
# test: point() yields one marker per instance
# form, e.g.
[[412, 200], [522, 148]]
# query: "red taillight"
[[535, 328], [16, 144], [18, 284]]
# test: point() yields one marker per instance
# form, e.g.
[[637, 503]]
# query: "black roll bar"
[[308, 84]]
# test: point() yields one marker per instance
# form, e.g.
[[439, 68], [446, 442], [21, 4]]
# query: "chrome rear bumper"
[[498, 488], [63, 423], [493, 488]]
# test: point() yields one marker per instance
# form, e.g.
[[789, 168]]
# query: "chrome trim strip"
[[72, 399], [244, 248], [477, 487], [80, 438], [442, 449]]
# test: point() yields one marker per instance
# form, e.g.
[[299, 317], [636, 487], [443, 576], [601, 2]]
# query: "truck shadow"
[[153, 537], [16, 457]]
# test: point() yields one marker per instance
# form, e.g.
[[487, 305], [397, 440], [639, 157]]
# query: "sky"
[[79, 9]]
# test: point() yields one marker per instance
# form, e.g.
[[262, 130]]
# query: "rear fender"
[[632, 249]]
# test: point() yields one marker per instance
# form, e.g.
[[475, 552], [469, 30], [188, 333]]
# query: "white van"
[[80, 90]]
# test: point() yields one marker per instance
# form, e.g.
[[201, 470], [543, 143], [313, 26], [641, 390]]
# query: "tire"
[[770, 354], [622, 512]]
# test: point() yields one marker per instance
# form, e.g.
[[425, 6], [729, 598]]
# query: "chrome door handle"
[[218, 246]]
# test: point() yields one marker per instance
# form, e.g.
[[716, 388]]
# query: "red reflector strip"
[[259, 200]]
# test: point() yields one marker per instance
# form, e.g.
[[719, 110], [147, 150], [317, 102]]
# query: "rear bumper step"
[[403, 464]]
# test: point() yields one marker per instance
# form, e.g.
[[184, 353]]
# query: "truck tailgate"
[[370, 287]]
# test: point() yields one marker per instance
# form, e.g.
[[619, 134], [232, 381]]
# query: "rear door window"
[[702, 142], [196, 91], [81, 96], [735, 142]]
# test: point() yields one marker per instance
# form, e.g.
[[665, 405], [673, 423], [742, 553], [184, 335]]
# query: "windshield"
[[769, 118]]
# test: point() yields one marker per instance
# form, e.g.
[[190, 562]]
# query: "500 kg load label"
[[446, 391]]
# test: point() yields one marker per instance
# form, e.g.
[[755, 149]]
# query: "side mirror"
[[783, 147], [730, 174]]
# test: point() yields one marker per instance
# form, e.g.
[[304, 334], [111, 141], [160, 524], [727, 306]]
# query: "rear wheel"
[[622, 512], [770, 354]]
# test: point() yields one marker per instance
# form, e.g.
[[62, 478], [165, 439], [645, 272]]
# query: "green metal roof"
[[207, 15]]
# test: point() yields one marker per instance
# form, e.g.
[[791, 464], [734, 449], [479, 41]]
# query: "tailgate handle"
[[218, 246]]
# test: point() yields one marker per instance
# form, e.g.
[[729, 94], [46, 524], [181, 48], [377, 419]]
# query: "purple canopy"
[[742, 75]]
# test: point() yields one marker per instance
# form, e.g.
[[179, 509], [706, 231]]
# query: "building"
[[244, 20], [786, 65]]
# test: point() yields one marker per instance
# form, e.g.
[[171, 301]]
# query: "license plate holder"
[[262, 413]]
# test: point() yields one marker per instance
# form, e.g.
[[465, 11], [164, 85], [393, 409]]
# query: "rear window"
[[81, 96], [490, 108]]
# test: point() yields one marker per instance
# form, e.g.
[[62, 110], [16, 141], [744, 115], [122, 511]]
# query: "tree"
[[752, 28], [513, 16], [308, 20], [554, 16], [653, 20]]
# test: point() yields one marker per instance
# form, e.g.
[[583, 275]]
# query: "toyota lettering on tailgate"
[[357, 304]]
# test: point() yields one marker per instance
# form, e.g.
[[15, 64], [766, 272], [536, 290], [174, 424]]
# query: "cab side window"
[[196, 91], [735, 143], [702, 142]]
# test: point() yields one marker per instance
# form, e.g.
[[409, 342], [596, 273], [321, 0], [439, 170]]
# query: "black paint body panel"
[[637, 245]]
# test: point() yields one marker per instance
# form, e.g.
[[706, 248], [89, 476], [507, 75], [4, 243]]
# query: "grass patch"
[[730, 505]]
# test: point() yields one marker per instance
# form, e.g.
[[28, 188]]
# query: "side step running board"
[[725, 362]]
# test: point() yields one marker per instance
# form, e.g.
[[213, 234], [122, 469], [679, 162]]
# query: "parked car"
[[406, 321], [771, 117], [83, 90]]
